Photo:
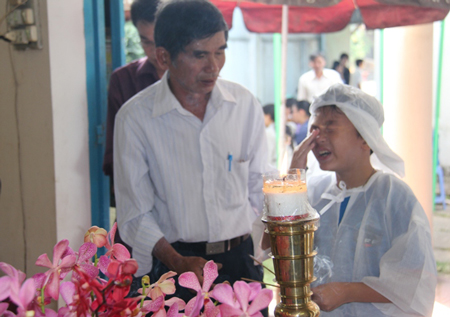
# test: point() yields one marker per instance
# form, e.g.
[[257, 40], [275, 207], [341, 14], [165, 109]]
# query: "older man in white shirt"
[[316, 81], [189, 155]]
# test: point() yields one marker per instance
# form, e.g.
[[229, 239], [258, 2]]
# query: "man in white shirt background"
[[189, 155], [316, 81], [356, 78]]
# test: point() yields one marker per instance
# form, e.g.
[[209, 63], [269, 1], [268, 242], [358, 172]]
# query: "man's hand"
[[332, 295], [301, 151], [193, 264], [164, 252]]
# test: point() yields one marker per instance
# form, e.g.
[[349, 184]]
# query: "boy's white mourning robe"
[[383, 240]]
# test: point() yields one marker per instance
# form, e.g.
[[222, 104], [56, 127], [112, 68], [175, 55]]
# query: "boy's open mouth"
[[324, 153]]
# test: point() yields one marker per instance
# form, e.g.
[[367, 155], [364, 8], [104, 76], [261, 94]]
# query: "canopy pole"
[[382, 70], [277, 90], [281, 144], [437, 110], [381, 64]]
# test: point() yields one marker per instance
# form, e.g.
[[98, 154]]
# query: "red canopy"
[[320, 17]]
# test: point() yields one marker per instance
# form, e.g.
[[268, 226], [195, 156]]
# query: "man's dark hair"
[[304, 104], [335, 65], [313, 57], [143, 10], [344, 55], [270, 110], [180, 22], [359, 62], [290, 102]]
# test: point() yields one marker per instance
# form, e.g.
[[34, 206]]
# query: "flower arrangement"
[[86, 294]]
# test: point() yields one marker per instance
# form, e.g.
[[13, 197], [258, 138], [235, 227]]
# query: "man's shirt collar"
[[165, 100]]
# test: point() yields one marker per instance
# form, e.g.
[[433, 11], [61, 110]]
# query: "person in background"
[[337, 67], [130, 79], [288, 108], [372, 226], [269, 122], [189, 154], [316, 81], [300, 115], [357, 74], [345, 74]]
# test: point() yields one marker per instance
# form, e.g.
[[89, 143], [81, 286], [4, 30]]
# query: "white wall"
[[70, 119]]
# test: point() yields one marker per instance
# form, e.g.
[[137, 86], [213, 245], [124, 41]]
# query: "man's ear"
[[163, 57]]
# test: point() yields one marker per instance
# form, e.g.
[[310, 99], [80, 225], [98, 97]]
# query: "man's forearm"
[[164, 252]]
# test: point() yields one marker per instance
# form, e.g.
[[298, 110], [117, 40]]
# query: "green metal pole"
[[277, 87], [438, 109]]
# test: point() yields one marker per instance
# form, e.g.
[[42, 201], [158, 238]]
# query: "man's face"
[[288, 114], [298, 115], [338, 147], [146, 33], [196, 68], [267, 120], [318, 64]]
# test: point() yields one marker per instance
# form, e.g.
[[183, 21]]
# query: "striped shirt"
[[173, 175]]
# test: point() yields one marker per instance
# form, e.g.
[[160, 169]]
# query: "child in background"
[[372, 226]]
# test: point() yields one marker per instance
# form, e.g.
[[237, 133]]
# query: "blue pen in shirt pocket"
[[230, 160]]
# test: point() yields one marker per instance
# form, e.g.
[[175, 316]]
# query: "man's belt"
[[210, 248]]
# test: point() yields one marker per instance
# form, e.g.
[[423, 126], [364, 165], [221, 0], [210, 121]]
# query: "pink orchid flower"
[[10, 284], [115, 251], [97, 236], [22, 298], [164, 286], [25, 296], [198, 304], [58, 269], [3, 308], [85, 253], [152, 305], [237, 303], [190, 280], [174, 311]]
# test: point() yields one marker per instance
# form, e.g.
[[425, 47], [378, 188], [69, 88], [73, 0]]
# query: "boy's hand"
[[330, 296], [301, 151]]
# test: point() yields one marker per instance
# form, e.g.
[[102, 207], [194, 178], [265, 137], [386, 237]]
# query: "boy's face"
[[338, 147]]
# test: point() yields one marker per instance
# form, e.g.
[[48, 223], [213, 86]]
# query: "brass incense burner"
[[292, 245], [291, 222]]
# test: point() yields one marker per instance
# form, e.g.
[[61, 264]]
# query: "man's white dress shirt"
[[173, 174], [309, 86]]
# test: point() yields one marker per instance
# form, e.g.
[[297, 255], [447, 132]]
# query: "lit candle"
[[286, 198]]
